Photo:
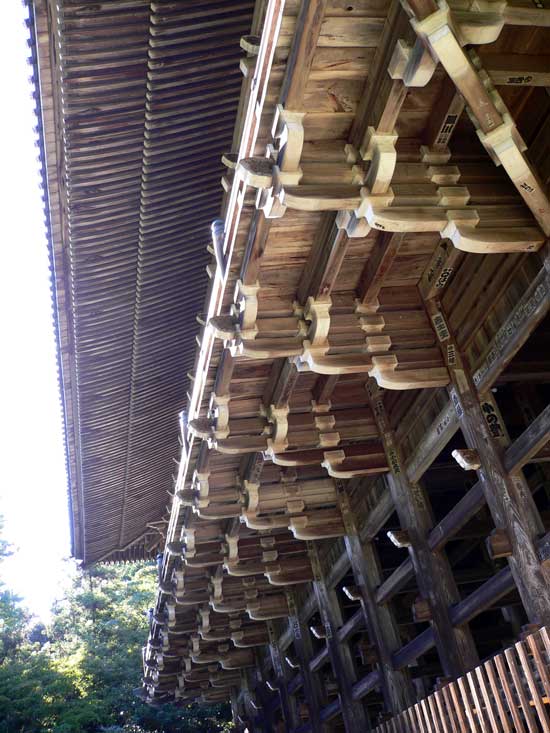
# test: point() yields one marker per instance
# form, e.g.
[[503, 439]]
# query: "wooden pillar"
[[507, 494], [434, 576], [288, 708], [341, 660], [382, 627], [302, 645]]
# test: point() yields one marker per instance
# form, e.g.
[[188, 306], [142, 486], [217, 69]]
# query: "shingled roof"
[[138, 103]]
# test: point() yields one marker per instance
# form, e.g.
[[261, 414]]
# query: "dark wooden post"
[[507, 494], [382, 628], [455, 646], [302, 645], [341, 660], [288, 707]]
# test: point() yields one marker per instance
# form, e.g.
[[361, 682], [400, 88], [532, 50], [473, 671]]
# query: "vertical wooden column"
[[397, 687], [508, 496], [288, 707], [302, 645], [265, 720], [340, 657], [435, 580]]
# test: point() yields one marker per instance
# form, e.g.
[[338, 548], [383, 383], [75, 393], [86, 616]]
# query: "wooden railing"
[[509, 693]]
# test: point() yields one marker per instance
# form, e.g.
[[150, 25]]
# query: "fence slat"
[[533, 689], [482, 682], [534, 645], [467, 706], [503, 715], [520, 692], [506, 694]]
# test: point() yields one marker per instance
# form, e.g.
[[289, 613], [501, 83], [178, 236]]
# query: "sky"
[[33, 484]]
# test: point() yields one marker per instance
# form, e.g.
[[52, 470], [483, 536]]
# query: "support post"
[[288, 708], [434, 576], [341, 660], [381, 624], [302, 645], [507, 494]]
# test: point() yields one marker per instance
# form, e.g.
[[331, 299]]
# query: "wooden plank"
[[477, 702], [255, 247], [508, 693], [470, 713], [540, 663], [445, 117], [493, 682], [485, 691], [378, 265], [302, 52], [325, 260], [453, 720], [520, 692], [438, 711], [535, 694], [516, 69]]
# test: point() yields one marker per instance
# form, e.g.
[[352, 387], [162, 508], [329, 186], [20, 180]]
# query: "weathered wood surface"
[[507, 692], [355, 189]]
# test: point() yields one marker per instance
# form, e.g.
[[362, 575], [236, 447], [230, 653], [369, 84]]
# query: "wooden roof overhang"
[[383, 253], [139, 100]]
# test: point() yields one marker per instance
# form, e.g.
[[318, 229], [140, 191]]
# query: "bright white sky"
[[33, 485]]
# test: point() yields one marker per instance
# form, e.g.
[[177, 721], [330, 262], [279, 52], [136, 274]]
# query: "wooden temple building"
[[302, 277]]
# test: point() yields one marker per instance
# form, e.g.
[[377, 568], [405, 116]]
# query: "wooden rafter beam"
[[325, 260], [444, 118], [300, 59], [378, 265]]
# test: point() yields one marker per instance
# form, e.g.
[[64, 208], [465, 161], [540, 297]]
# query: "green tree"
[[78, 674]]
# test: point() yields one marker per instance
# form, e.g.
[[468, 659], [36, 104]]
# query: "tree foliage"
[[77, 674]]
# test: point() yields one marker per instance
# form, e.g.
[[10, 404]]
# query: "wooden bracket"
[[399, 537], [414, 65], [421, 610], [467, 458], [498, 544]]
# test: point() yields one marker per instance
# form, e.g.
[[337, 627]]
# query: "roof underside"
[[144, 103]]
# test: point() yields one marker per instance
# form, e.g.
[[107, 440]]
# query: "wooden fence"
[[509, 693]]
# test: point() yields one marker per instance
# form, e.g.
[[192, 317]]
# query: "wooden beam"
[[378, 265], [381, 624], [324, 387], [516, 69], [288, 707], [444, 118], [283, 386], [300, 59], [530, 310], [507, 495], [302, 645], [324, 261], [341, 660], [434, 576], [255, 247], [372, 111]]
